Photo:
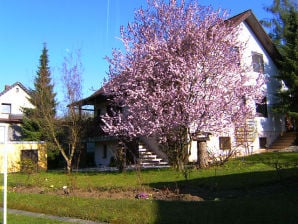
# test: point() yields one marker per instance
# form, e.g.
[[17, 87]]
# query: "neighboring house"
[[259, 132], [12, 100]]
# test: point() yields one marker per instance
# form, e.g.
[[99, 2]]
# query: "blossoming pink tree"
[[181, 74]]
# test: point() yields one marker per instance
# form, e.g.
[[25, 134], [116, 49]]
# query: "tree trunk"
[[123, 160], [121, 157], [69, 166], [202, 154], [180, 164]]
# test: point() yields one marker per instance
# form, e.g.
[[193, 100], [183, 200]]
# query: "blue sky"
[[67, 25]]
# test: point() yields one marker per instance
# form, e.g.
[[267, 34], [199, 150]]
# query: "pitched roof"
[[7, 88], [250, 19], [96, 96]]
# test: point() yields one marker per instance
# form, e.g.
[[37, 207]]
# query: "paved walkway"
[[46, 216], [293, 148]]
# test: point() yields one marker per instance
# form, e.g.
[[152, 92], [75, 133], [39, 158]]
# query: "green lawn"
[[256, 189]]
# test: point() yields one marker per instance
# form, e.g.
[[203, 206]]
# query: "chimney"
[[6, 87]]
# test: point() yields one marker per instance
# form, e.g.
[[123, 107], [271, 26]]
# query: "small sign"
[[201, 136]]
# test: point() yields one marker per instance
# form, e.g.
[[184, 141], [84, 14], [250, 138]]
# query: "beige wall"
[[14, 155]]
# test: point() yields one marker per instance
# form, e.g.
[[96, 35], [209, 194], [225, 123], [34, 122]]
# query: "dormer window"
[[5, 108], [257, 62]]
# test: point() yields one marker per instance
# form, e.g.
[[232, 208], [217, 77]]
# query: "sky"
[[68, 25]]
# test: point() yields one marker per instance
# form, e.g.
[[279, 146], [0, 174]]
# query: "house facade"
[[258, 133], [266, 126], [12, 99]]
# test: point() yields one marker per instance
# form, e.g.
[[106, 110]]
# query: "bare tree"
[[72, 70]]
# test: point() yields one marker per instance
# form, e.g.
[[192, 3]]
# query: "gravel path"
[[46, 216]]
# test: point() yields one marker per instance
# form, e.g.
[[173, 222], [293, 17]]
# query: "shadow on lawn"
[[234, 185], [256, 197]]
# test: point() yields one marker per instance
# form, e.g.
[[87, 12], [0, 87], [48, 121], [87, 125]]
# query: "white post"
[[3, 141], [5, 186]]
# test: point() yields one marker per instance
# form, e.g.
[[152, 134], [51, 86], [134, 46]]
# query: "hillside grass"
[[256, 189]]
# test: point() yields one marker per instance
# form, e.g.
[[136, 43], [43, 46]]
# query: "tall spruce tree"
[[42, 97], [284, 32]]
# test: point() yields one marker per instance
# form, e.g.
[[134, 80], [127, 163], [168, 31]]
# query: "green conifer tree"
[[284, 32], [42, 97]]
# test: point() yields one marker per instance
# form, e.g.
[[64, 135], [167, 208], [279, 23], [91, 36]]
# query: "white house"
[[261, 55], [12, 99], [261, 131]]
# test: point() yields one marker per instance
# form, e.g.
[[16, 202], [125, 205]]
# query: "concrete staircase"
[[286, 140], [150, 156]]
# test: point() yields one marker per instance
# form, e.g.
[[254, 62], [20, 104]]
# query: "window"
[[236, 54], [105, 152], [257, 62], [263, 142], [14, 132], [98, 112], [2, 134], [224, 143], [113, 110], [261, 108], [5, 108], [110, 111]]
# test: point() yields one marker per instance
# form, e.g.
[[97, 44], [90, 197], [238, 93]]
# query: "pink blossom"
[[179, 69]]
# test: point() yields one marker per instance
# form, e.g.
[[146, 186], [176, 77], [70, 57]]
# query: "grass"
[[109, 210], [280, 208], [256, 189]]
